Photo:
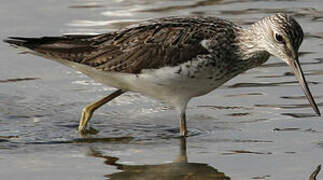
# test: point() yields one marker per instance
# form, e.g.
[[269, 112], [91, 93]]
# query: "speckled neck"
[[249, 48]]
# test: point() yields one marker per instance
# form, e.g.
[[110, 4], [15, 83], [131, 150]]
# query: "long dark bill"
[[301, 79]]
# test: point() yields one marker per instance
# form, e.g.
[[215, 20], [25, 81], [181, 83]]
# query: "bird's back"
[[150, 45]]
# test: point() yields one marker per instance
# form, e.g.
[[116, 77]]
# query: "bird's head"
[[281, 36]]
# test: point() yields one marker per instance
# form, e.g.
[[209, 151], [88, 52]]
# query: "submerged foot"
[[88, 131]]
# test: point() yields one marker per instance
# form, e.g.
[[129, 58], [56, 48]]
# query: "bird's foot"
[[86, 116], [88, 131]]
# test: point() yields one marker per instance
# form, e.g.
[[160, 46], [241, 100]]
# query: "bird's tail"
[[70, 51], [70, 47]]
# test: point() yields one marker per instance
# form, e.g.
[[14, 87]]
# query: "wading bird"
[[173, 59]]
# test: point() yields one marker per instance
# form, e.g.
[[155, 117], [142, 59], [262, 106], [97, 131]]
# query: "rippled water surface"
[[257, 126]]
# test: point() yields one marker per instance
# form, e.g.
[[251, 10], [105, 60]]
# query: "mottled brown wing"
[[168, 42], [150, 47]]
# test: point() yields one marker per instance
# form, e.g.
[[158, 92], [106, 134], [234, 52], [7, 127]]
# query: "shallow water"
[[257, 126]]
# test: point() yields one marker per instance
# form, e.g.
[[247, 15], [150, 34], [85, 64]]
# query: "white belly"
[[164, 84]]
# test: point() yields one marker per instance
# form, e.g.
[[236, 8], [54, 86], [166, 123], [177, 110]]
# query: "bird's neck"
[[249, 47]]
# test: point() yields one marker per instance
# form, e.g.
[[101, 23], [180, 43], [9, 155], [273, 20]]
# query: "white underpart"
[[164, 84]]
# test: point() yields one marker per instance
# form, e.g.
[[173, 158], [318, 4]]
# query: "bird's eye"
[[279, 38]]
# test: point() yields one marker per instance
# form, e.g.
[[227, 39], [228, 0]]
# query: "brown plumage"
[[155, 44], [174, 59]]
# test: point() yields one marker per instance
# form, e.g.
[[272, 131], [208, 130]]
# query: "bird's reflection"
[[179, 169]]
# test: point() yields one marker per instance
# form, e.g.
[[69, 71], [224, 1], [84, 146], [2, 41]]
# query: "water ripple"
[[18, 79], [232, 152], [247, 85], [287, 106]]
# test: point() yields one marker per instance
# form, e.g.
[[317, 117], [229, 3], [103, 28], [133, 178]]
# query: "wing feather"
[[158, 43]]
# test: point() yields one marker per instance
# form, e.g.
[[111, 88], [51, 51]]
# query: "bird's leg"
[[182, 128], [182, 156], [181, 108], [89, 109]]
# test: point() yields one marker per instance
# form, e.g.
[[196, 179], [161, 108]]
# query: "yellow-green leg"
[[89, 109], [182, 156], [181, 108], [182, 124]]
